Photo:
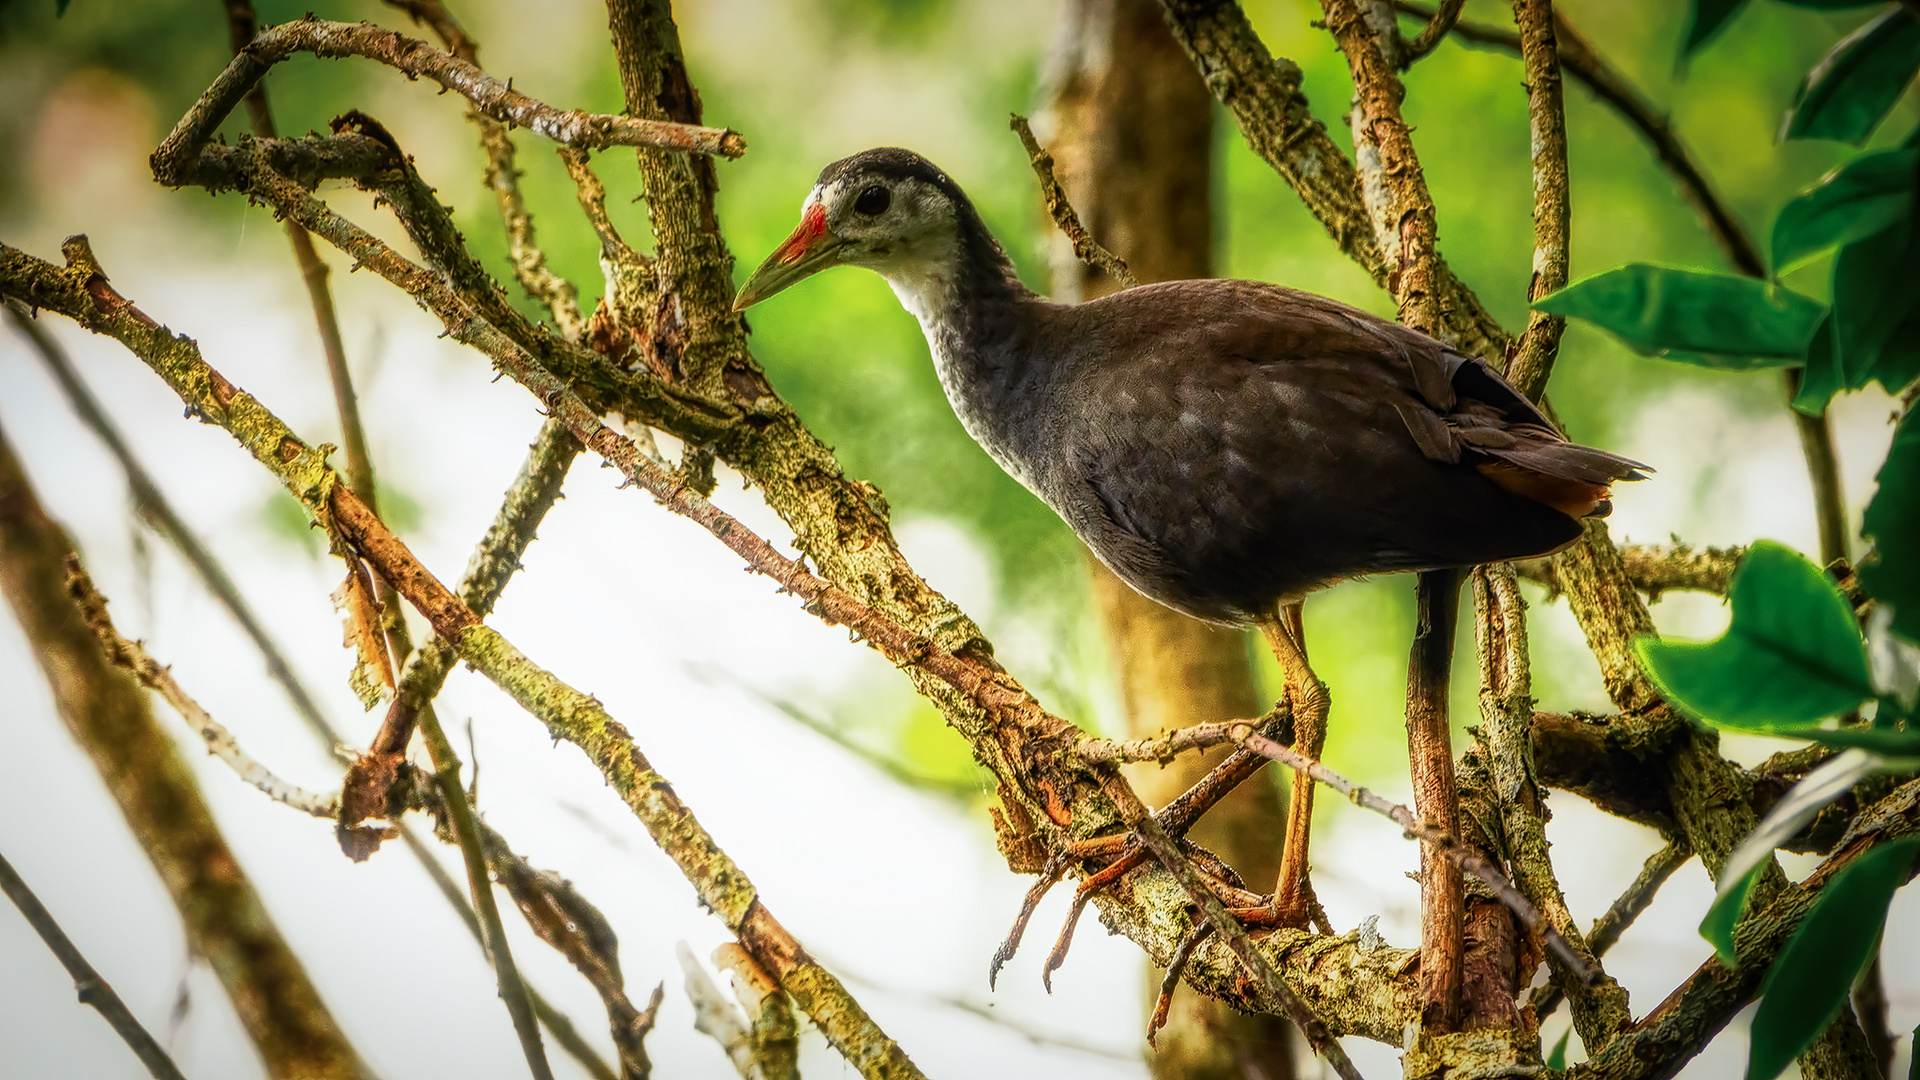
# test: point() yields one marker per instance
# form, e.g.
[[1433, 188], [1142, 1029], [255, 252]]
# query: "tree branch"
[[1263, 94], [1653, 569], [1506, 711], [81, 292], [1085, 247], [1533, 360], [173, 161], [110, 717], [93, 989]]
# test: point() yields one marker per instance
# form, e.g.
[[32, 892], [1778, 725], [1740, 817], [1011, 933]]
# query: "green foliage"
[[1707, 19], [1813, 974], [1792, 657], [1876, 308], [1715, 320], [1721, 918], [1892, 572], [1866, 196], [1849, 92]]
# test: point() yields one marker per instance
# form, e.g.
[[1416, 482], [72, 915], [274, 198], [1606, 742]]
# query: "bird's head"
[[889, 210]]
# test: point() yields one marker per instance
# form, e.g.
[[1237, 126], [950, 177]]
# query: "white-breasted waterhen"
[[1226, 447]]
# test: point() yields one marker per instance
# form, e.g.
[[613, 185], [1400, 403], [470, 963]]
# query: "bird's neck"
[[979, 321], [960, 285]]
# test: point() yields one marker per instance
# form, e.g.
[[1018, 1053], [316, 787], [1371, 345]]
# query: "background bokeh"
[[746, 703]]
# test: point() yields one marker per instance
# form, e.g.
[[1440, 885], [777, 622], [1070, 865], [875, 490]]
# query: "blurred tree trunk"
[[1131, 131], [111, 717]]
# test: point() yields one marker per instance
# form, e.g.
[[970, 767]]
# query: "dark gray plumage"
[[1223, 446]]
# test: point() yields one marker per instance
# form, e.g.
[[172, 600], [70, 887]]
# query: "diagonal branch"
[[1580, 60], [503, 179], [93, 989], [81, 292], [416, 59], [1263, 94]]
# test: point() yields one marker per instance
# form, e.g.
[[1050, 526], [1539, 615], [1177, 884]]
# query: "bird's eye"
[[873, 201]]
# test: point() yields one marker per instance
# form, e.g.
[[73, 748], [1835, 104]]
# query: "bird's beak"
[[811, 249]]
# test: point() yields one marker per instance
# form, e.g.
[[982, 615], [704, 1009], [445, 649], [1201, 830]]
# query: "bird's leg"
[[1293, 901]]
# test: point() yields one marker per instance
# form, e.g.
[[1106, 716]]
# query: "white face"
[[896, 226]]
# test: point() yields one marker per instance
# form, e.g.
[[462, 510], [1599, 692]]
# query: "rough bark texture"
[[112, 720], [1131, 132]]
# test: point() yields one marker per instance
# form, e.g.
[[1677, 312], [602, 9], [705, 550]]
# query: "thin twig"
[[82, 292], [1167, 850], [132, 656], [157, 512], [1466, 858], [1620, 915], [530, 267], [93, 989], [466, 830], [1579, 59], [556, 1021], [173, 160], [1085, 247], [1429, 37]]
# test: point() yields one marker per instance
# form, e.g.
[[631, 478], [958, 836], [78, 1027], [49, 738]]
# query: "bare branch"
[[93, 989], [111, 718], [1621, 914], [220, 742], [1263, 94], [82, 293], [156, 511], [1506, 711], [1430, 35], [1653, 569], [173, 161], [1532, 361], [1085, 247]]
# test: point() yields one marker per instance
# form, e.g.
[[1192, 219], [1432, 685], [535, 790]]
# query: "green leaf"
[[1863, 197], [1832, 5], [1708, 17], [1891, 573], [60, 7], [1717, 320], [1851, 89], [1721, 918], [1913, 1065], [1557, 1061], [1821, 378], [1814, 973], [1792, 657], [1876, 308]]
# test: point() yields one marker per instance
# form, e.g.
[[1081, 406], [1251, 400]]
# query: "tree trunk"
[[112, 719], [1131, 133]]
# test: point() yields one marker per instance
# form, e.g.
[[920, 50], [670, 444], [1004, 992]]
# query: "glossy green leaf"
[[1821, 378], [1557, 1061], [1814, 973], [1717, 320], [1863, 197], [1721, 918], [1851, 89], [1709, 16], [1876, 309], [1792, 657], [1891, 574]]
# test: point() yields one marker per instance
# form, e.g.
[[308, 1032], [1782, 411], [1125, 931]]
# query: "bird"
[[1226, 447]]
